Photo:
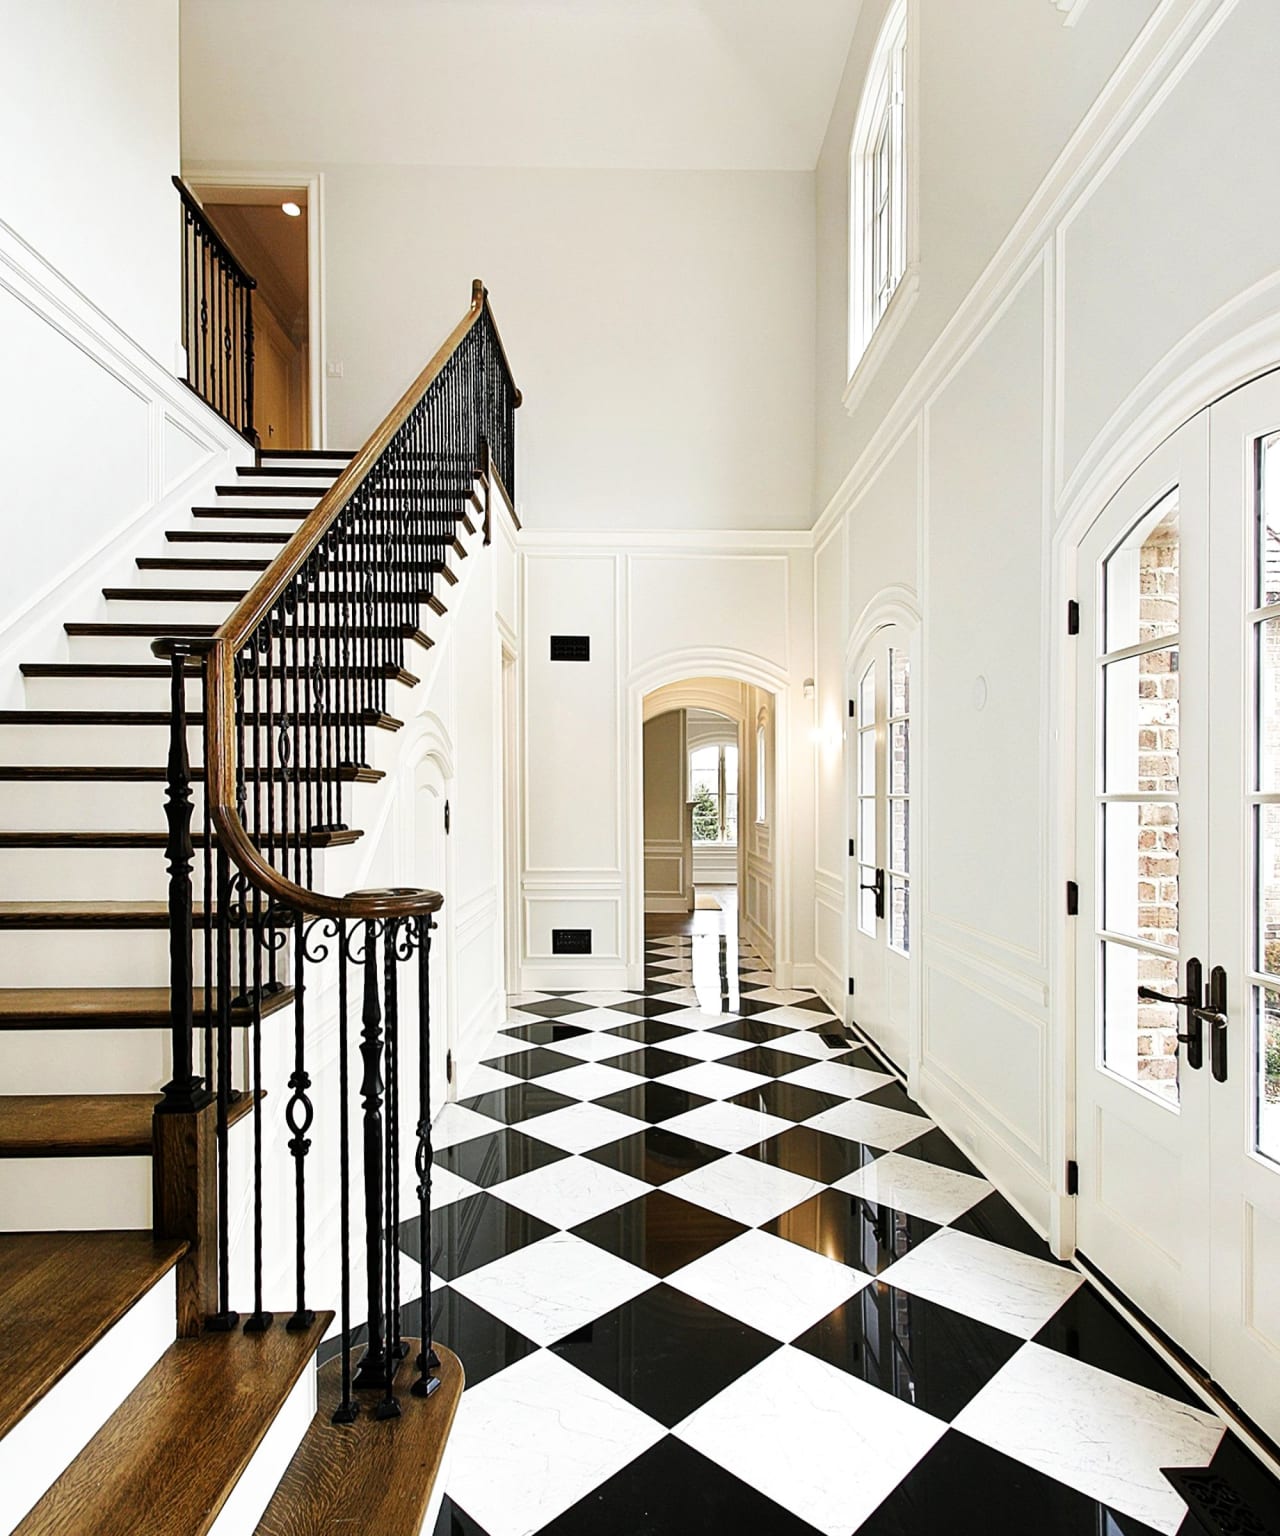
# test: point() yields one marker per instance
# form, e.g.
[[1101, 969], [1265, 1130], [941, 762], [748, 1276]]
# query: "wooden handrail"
[[214, 235], [249, 614]]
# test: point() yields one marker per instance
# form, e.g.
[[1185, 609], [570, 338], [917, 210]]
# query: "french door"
[[881, 938], [1178, 961]]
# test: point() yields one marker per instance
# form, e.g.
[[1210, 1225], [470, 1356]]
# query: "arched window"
[[880, 226]]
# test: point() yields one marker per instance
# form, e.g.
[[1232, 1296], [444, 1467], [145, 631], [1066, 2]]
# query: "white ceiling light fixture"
[[292, 209]]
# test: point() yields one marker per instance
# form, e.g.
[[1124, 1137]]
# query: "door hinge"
[[1073, 617], [448, 818], [1073, 899], [1073, 1177], [851, 848], [851, 986], [448, 1066], [853, 710]]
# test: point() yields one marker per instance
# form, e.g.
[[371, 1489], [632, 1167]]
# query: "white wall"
[[89, 121], [733, 607], [660, 325], [1136, 279]]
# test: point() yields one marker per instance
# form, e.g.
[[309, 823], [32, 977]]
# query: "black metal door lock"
[[878, 887], [1192, 1001]]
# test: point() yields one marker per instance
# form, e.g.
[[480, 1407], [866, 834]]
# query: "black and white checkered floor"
[[708, 1268]]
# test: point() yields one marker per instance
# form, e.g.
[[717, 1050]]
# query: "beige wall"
[[668, 873]]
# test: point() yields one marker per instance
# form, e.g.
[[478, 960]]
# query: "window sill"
[[882, 338]]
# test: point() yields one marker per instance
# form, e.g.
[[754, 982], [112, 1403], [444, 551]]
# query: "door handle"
[[1215, 1016], [878, 887], [1193, 1001]]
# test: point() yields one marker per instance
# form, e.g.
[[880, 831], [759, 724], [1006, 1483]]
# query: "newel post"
[[184, 1161]]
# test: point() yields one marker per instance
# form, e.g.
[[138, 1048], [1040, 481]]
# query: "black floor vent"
[[1216, 1504]]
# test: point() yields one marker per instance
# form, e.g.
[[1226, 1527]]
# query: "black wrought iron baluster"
[[372, 1368], [299, 1115], [427, 1360], [206, 828], [346, 1410], [261, 1319], [388, 1407], [224, 1319]]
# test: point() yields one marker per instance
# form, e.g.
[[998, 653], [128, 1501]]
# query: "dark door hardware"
[[1194, 1037], [1215, 1016], [877, 886]]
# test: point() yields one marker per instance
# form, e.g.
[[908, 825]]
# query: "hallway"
[[709, 1268]]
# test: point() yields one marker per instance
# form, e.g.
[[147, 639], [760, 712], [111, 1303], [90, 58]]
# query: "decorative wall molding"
[[1071, 10]]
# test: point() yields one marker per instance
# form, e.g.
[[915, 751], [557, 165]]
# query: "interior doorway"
[[270, 231]]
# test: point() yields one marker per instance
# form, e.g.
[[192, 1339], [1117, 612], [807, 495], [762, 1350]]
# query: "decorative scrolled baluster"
[[427, 1361], [299, 1115], [372, 1369]]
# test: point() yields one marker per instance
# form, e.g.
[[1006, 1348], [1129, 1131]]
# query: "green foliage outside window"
[[706, 817]]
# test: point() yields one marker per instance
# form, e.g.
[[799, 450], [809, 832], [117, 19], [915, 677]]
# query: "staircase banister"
[[211, 233]]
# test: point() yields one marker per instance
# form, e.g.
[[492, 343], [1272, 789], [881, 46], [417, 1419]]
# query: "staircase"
[[152, 1020]]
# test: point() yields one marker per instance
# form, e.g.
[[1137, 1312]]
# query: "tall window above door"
[[880, 239]]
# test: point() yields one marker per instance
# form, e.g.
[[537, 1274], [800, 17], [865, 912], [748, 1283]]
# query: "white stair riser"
[[152, 693], [45, 1442], [47, 874], [145, 746], [84, 1060], [74, 806], [75, 1194], [169, 612], [87, 957]]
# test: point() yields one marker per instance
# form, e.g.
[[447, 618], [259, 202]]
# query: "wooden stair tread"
[[167, 1459], [375, 1476], [161, 670], [60, 1292], [86, 914], [158, 840], [129, 773], [84, 1124], [110, 1007], [345, 454]]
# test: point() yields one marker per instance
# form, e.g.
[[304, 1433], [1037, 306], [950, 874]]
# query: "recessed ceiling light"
[[291, 209]]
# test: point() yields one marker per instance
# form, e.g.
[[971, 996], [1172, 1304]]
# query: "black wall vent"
[[571, 647], [571, 941]]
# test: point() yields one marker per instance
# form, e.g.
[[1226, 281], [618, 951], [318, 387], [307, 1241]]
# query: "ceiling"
[[635, 84]]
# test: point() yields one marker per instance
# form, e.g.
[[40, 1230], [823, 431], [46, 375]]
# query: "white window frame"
[[722, 791], [883, 271]]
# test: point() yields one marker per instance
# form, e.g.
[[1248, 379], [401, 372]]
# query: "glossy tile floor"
[[708, 1268]]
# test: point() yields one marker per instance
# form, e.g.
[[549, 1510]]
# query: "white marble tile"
[[506, 1045], [779, 996], [714, 1080], [685, 997], [483, 1079], [531, 1441], [598, 1046], [802, 1042], [796, 1018], [704, 1018], [728, 1126], [887, 1129], [744, 1189], [447, 1187], [455, 1123], [1097, 1433], [770, 1284], [514, 999], [997, 1285], [834, 1077], [597, 999], [814, 1439], [554, 1287], [581, 1127], [574, 1189], [918, 1188], [592, 1080], [701, 1044], [599, 1018]]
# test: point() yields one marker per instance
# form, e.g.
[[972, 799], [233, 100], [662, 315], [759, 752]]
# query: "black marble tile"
[[655, 1155], [1086, 1328], [659, 1232], [536, 1063], [813, 1154], [751, 1031], [488, 1160], [470, 1233], [852, 1230], [817, 1005], [934, 1146], [653, 1102], [977, 1492], [653, 1061], [522, 1101], [560, 1006], [483, 1343], [671, 1490], [996, 1220], [767, 1061], [925, 1354], [454, 1521], [547, 1032], [646, 1007], [665, 1353], [788, 1100], [749, 1006], [647, 1031], [893, 1096]]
